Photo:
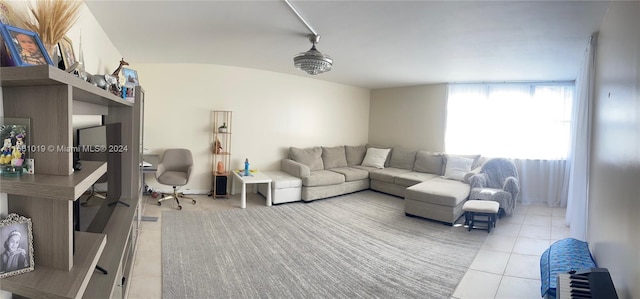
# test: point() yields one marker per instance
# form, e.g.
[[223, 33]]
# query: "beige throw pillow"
[[375, 157], [457, 167]]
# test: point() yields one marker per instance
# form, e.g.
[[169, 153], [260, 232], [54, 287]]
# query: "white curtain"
[[543, 181], [527, 122], [578, 168]]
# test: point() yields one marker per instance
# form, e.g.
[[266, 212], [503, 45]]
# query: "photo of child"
[[28, 49], [14, 256]]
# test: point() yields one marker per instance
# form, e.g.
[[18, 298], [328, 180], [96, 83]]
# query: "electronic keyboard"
[[593, 283]]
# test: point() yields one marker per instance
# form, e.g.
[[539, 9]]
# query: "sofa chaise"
[[434, 185]]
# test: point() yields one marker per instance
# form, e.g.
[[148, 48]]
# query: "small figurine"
[[217, 146], [117, 71], [6, 152]]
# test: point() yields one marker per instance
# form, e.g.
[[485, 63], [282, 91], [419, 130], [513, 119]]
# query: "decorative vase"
[[220, 167], [223, 128], [53, 52]]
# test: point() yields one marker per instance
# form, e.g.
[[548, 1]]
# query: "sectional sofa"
[[434, 185]]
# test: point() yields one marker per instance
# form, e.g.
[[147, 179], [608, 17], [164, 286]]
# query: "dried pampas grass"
[[51, 19]]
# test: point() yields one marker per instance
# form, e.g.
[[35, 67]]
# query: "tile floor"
[[507, 265]]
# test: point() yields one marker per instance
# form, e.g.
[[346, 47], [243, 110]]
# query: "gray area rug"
[[355, 246]]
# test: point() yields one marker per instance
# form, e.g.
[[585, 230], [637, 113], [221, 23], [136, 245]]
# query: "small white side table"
[[255, 178]]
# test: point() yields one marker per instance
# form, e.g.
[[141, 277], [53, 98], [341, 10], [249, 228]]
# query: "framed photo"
[[66, 51], [130, 77], [14, 139], [17, 249], [6, 57], [25, 46]]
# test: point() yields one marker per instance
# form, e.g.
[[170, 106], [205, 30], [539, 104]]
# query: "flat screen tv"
[[93, 144]]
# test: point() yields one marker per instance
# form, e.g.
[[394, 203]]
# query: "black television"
[[93, 144]]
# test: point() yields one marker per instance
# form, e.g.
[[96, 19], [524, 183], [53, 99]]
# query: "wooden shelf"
[[45, 282], [43, 75], [118, 230], [55, 186]]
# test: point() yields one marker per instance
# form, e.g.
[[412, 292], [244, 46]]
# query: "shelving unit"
[[221, 128], [50, 97]]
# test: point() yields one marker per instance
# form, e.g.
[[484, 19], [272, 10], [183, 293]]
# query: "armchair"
[[496, 181]]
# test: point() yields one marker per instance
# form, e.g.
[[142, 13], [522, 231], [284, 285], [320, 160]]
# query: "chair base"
[[175, 195], [472, 218], [480, 211], [93, 193]]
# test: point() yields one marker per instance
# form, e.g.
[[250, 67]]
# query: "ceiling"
[[374, 44]]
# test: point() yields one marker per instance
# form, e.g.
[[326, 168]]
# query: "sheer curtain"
[[578, 169], [529, 123]]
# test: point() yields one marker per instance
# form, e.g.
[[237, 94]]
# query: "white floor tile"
[[530, 246], [535, 232], [515, 218], [523, 266], [537, 220], [558, 222], [518, 288], [145, 287], [540, 210], [490, 261], [499, 243], [560, 232], [559, 212], [506, 229], [477, 284]]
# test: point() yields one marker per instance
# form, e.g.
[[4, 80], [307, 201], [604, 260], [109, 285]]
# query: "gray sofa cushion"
[[323, 178], [386, 174], [352, 173], [412, 178], [334, 157], [311, 157], [429, 162], [402, 158], [355, 154]]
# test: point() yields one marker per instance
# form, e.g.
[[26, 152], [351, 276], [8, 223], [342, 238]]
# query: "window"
[[520, 121]]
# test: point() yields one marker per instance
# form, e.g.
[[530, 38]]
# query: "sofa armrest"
[[512, 186], [295, 169], [467, 177]]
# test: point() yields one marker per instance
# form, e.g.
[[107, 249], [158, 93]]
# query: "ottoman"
[[284, 187], [438, 199], [481, 211]]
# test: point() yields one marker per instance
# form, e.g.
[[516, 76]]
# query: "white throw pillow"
[[457, 167], [376, 157]]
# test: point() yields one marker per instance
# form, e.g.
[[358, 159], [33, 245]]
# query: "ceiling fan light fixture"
[[313, 62]]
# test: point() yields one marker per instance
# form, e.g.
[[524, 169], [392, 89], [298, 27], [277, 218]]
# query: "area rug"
[[356, 246]]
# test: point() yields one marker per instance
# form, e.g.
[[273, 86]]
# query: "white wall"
[[271, 112], [614, 202], [409, 117]]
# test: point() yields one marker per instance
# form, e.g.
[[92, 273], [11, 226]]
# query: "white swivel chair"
[[174, 170]]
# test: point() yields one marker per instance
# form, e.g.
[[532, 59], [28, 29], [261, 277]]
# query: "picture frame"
[[130, 77], [68, 55], [17, 250], [6, 57], [25, 46], [14, 146]]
